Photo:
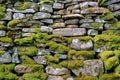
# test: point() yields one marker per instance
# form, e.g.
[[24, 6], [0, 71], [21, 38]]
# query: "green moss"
[[98, 26], [30, 51], [117, 69], [110, 32], [46, 2], [115, 25], [54, 59], [2, 11], [24, 41], [2, 52], [35, 76], [2, 26], [7, 67], [13, 23], [72, 64], [106, 54], [111, 62], [102, 2], [6, 40], [111, 76], [87, 78], [27, 60], [107, 15], [117, 53]]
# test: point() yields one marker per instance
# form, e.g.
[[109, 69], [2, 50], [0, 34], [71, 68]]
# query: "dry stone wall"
[[59, 40]]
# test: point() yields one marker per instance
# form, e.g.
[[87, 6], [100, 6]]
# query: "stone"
[[41, 15], [15, 58], [18, 16], [95, 10], [59, 12], [46, 8], [42, 52], [48, 21], [5, 44], [8, 16], [90, 68], [63, 56], [58, 25], [81, 45], [29, 15], [21, 11], [98, 20], [117, 14], [114, 7], [50, 77], [30, 30], [100, 49], [56, 16], [22, 69], [70, 78], [40, 60], [72, 21], [92, 32], [58, 6], [86, 20], [2, 33], [70, 31], [46, 29], [2, 22], [26, 34], [72, 16], [77, 6], [112, 2], [56, 71], [76, 11], [5, 58], [72, 26]]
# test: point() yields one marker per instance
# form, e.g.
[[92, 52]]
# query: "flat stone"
[[95, 10], [2, 33], [59, 25], [92, 32], [5, 58], [26, 34], [22, 69], [58, 6], [46, 8], [70, 31], [30, 30], [8, 16], [46, 29], [86, 20], [72, 21], [18, 16], [63, 56], [42, 52], [114, 7], [72, 16], [81, 45], [56, 16], [112, 2], [56, 71], [50, 77], [72, 26], [76, 11], [59, 12], [41, 15], [48, 21], [40, 60]]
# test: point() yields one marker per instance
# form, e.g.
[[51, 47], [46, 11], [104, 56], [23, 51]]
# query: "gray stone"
[[77, 6], [90, 68], [26, 34], [2, 22], [86, 20], [46, 29], [8, 16], [50, 77], [43, 52], [70, 31], [76, 11], [18, 16], [58, 6], [107, 26], [70, 78], [3, 44], [100, 49], [15, 58], [114, 7], [2, 33], [56, 16], [30, 30], [72, 26], [117, 13], [98, 20], [40, 60], [59, 25], [92, 32], [5, 58], [22, 69], [46, 8], [48, 21], [29, 15], [41, 15], [112, 1], [72, 21], [72, 16], [63, 56], [81, 45], [21, 11], [56, 71]]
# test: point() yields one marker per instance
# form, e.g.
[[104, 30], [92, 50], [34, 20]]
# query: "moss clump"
[[117, 53], [2, 11], [87, 78], [54, 59], [30, 51], [107, 15], [35, 76], [13, 23], [117, 69], [46, 2], [2, 52], [106, 54], [111, 62], [2, 26], [27, 60], [97, 26], [24, 41], [72, 64], [115, 26], [6, 40], [102, 2]]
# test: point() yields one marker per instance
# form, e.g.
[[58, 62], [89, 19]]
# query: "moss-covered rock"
[[115, 26], [54, 59], [87, 78], [46, 2], [6, 40], [2, 11]]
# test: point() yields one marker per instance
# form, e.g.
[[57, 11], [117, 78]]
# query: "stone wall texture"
[[59, 40]]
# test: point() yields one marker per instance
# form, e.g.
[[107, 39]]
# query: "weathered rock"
[[76, 11], [41, 15], [46, 29], [56, 16], [117, 14], [81, 45], [59, 12], [114, 7], [2, 33], [63, 56], [2, 22], [8, 16], [71, 21], [100, 49], [30, 30], [58, 6], [90, 68], [56, 71], [43, 52], [26, 34], [54, 78], [40, 60], [15, 58], [46, 8], [70, 31], [18, 16], [86, 20], [5, 58], [72, 16], [22, 69], [48, 21], [59, 25], [70, 78], [72, 26], [92, 32], [112, 1]]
